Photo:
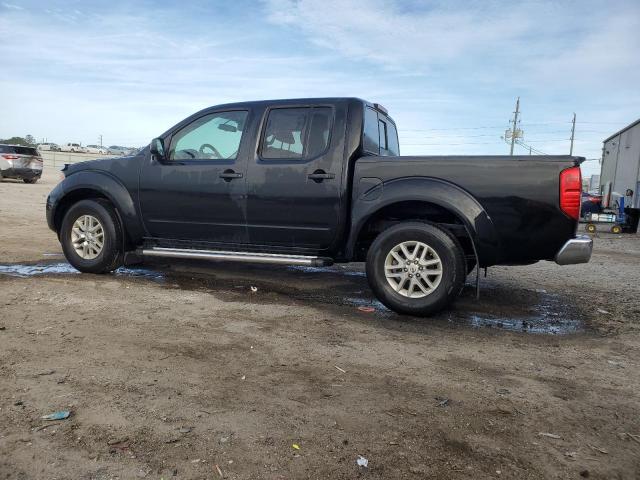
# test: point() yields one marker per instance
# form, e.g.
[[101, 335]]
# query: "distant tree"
[[27, 141]]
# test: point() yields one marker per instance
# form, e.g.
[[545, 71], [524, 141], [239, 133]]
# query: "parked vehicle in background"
[[20, 162], [118, 150], [96, 149], [73, 147], [317, 181], [48, 146], [590, 203]]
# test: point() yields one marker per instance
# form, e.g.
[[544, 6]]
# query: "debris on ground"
[[442, 401], [339, 369], [550, 435], [218, 470], [254, 289], [605, 312], [366, 309], [362, 462], [296, 446], [624, 435], [117, 441], [185, 429], [61, 415], [503, 391], [46, 372], [597, 449], [2, 327], [18, 403]]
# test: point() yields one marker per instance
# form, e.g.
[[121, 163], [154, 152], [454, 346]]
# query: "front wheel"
[[416, 268], [91, 237], [29, 180]]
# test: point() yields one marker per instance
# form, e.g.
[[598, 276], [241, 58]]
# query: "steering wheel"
[[212, 148]]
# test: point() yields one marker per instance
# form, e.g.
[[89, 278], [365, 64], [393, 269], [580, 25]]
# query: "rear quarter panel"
[[520, 194]]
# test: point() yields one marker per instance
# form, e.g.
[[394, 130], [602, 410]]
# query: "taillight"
[[11, 157], [570, 191]]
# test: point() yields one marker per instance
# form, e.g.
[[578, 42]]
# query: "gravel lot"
[[185, 372]]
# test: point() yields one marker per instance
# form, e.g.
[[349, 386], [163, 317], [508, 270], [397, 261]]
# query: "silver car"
[[20, 162]]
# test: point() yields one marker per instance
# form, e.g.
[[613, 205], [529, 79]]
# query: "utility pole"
[[514, 130], [573, 133], [100, 141]]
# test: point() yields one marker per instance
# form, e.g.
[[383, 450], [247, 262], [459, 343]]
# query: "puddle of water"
[[20, 270], [63, 268], [548, 316], [532, 324], [304, 268]]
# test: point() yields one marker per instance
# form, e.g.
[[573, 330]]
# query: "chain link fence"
[[58, 159]]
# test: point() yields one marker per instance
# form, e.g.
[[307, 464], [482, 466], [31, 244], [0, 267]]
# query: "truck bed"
[[519, 193]]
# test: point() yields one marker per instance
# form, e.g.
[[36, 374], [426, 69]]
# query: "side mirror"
[[157, 148]]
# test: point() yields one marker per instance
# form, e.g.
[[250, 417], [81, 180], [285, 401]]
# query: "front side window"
[[296, 133], [213, 137]]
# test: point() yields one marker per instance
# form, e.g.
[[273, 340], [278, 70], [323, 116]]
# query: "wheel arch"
[[423, 199], [98, 185]]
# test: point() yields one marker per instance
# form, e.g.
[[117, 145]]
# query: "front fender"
[[81, 184], [432, 190]]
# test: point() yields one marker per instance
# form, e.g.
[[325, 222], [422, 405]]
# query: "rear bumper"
[[576, 250], [27, 173]]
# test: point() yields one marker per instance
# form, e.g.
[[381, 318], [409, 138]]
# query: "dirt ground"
[[185, 372]]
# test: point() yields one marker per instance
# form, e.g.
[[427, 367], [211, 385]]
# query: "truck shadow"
[[343, 287]]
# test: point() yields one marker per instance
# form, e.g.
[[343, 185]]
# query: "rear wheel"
[[29, 180], [616, 229], [91, 237], [416, 268], [591, 228]]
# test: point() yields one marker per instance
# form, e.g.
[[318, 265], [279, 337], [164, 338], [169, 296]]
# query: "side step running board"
[[249, 257]]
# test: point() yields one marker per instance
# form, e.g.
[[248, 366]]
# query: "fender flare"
[[107, 186], [432, 190]]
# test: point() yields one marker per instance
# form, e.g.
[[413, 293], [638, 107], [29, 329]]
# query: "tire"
[[617, 229], [110, 256], [591, 228], [443, 245], [29, 180]]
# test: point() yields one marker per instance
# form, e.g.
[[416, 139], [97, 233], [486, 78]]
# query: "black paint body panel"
[[510, 205]]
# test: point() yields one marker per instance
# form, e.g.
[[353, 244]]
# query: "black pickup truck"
[[317, 181]]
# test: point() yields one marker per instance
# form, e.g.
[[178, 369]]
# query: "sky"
[[449, 72]]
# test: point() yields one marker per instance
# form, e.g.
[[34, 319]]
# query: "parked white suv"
[[73, 147], [96, 149], [48, 146]]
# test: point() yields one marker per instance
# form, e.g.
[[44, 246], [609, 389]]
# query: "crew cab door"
[[294, 182], [197, 192]]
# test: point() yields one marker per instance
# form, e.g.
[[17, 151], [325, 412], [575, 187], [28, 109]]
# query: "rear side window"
[[379, 134], [392, 140], [371, 134], [18, 150], [296, 133]]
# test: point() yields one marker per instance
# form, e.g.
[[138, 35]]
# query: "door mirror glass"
[[157, 148]]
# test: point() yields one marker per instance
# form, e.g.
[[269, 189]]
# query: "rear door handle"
[[229, 175], [320, 175]]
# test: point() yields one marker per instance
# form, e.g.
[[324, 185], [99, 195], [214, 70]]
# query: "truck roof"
[[301, 101]]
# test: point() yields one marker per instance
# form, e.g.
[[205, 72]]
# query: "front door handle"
[[229, 175], [320, 175]]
